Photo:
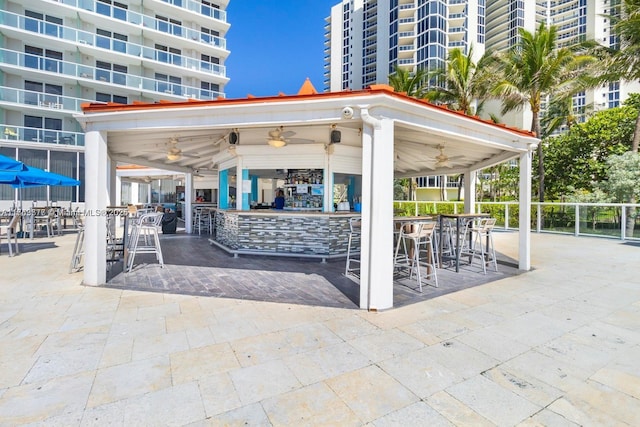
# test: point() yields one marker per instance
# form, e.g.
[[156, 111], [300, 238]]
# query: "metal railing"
[[41, 99], [109, 43], [136, 18], [51, 65], [579, 219], [48, 136]]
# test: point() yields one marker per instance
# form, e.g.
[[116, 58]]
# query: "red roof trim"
[[281, 97]]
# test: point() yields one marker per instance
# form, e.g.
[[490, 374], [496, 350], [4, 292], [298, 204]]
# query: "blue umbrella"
[[20, 175], [9, 164]]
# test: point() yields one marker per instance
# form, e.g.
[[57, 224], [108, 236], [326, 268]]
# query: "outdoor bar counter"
[[284, 233]]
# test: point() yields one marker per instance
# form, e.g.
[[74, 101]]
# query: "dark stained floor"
[[194, 267]]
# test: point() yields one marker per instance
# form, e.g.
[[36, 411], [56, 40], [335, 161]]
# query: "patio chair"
[[353, 254], [483, 240], [143, 228], [11, 231], [78, 249], [202, 220], [420, 253]]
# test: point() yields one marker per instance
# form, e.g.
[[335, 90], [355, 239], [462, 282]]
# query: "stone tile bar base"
[[311, 234]]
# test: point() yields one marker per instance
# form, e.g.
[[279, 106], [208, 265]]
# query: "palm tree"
[[625, 61], [413, 84], [533, 69], [457, 85], [625, 65]]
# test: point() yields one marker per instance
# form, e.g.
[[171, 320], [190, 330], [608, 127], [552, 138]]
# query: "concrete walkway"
[[556, 346]]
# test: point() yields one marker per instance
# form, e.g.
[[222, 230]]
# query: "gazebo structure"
[[382, 135]]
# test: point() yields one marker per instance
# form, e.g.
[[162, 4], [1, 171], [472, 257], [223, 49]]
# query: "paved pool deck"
[[558, 345]]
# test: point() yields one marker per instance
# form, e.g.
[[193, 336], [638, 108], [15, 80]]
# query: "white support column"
[[470, 180], [135, 193], [111, 184], [524, 246], [149, 193], [118, 195], [327, 181], [376, 246], [188, 200], [238, 195], [96, 199]]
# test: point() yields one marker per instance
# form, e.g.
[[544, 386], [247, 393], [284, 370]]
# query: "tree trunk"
[[631, 211], [460, 181], [535, 128], [636, 135]]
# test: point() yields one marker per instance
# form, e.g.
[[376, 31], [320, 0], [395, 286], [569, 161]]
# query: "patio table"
[[461, 219]]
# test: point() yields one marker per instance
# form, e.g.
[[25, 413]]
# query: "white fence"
[[593, 219]]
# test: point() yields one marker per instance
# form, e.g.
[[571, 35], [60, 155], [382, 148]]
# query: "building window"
[[209, 90], [112, 41], [43, 24], [42, 129], [210, 9], [168, 84], [209, 63], [114, 73], [107, 97], [171, 26], [210, 36], [43, 59], [42, 94], [114, 9], [169, 55]]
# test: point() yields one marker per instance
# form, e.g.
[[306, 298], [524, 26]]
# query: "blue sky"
[[275, 45]]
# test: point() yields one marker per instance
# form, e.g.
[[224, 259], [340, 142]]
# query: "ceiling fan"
[[174, 153], [442, 160], [278, 137]]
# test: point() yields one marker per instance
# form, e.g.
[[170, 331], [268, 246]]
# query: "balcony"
[[409, 6], [200, 8], [407, 34], [20, 60], [45, 136], [30, 99], [115, 45], [138, 19]]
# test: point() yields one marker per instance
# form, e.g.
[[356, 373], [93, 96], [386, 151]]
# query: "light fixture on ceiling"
[[277, 143], [276, 138], [174, 153]]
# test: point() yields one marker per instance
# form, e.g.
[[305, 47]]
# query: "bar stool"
[[420, 236], [10, 231], [202, 219], [78, 249], [145, 226], [443, 240], [483, 232], [355, 228]]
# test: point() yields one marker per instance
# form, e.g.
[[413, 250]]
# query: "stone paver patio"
[[556, 346]]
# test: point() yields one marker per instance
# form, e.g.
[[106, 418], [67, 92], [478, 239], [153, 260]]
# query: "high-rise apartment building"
[[59, 54], [366, 39], [576, 21]]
